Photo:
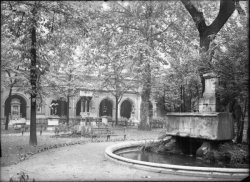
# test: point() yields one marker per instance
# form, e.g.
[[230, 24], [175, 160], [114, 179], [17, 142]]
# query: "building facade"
[[85, 103]]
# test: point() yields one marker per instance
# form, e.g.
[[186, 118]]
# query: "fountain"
[[195, 134], [206, 128], [207, 123]]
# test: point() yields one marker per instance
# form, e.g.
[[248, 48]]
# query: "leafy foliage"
[[155, 44]]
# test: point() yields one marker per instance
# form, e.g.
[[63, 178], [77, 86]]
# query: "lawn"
[[15, 147]]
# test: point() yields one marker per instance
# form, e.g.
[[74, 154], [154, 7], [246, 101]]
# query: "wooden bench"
[[108, 132], [20, 127]]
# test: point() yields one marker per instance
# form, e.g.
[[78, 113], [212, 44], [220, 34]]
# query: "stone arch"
[[126, 108], [78, 106], [106, 104], [23, 104]]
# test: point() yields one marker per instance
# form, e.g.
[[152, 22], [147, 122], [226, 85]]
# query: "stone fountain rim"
[[195, 113], [170, 168]]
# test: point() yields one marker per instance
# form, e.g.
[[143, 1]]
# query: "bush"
[[123, 121]]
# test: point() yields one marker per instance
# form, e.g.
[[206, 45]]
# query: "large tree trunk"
[[248, 131], [33, 82], [246, 111], [237, 114], [204, 45], [145, 103], [8, 109], [227, 8], [240, 124], [0, 108], [67, 119], [182, 99], [240, 131], [146, 90], [116, 110]]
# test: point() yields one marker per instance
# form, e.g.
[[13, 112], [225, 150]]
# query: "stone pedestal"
[[105, 120], [207, 103], [133, 120], [27, 122], [53, 121]]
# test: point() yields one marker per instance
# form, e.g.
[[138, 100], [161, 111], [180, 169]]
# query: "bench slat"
[[107, 132]]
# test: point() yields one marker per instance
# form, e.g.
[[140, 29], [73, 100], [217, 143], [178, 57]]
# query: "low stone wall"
[[211, 126], [213, 172]]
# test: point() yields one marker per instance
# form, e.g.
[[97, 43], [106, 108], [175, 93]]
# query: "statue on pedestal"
[[53, 107]]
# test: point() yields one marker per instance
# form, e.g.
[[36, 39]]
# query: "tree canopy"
[[162, 46]]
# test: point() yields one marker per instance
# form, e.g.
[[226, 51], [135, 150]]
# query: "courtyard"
[[80, 160], [124, 90]]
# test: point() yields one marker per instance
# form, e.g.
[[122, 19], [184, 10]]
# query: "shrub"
[[123, 121]]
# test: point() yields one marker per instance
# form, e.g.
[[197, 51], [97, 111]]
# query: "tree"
[[212, 39], [177, 88], [117, 79], [208, 32], [28, 23], [145, 22], [68, 73], [232, 68], [113, 58], [11, 70]]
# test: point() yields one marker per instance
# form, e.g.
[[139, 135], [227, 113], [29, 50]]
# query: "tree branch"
[[227, 8], [129, 13], [196, 15], [158, 33]]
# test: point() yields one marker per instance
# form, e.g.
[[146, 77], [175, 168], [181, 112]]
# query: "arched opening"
[[78, 108], [59, 107], [105, 108], [15, 106], [84, 105], [126, 108]]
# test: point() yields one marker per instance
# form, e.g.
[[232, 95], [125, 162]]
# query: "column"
[[82, 104], [119, 109], [86, 105], [62, 107], [139, 108]]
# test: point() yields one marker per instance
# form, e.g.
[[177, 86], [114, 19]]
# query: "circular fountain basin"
[[216, 172]]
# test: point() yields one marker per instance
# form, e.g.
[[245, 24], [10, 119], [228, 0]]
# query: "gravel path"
[[83, 162]]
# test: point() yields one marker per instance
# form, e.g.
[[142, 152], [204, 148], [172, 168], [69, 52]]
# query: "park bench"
[[108, 132], [20, 127]]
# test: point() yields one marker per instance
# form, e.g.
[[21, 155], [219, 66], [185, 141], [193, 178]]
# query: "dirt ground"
[[15, 147], [83, 162]]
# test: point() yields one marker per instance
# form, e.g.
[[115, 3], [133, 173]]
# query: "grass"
[[16, 148]]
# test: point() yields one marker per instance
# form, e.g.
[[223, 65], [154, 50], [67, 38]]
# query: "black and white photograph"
[[124, 90]]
